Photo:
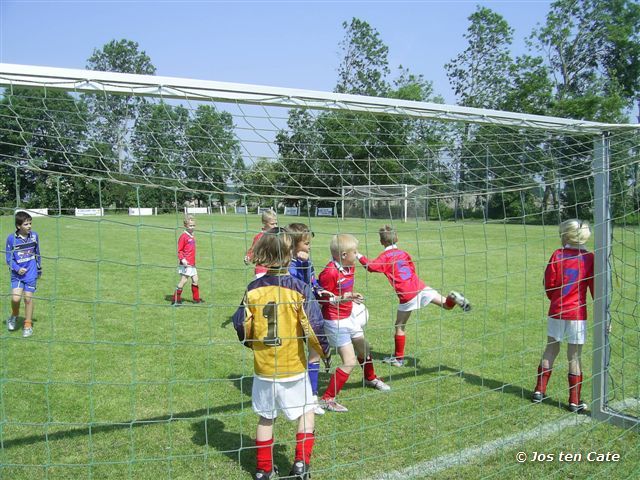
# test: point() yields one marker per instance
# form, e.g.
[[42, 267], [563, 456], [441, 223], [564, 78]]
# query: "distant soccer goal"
[[116, 382]]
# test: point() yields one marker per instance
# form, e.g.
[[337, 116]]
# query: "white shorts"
[[340, 332], [294, 398], [187, 271], [422, 299], [571, 331]]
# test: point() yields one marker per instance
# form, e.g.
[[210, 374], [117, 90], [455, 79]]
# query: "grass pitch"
[[116, 383]]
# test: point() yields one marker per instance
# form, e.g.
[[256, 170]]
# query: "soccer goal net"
[[115, 382]]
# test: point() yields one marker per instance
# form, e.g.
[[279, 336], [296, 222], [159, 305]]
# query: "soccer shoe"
[[378, 384], [11, 323], [459, 299], [198, 301], [319, 410], [27, 332], [393, 361], [300, 470], [333, 406], [262, 475], [538, 397], [176, 303], [577, 408]]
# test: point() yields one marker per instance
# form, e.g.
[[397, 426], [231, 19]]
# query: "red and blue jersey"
[[23, 252], [338, 280], [566, 279], [399, 269], [187, 249]]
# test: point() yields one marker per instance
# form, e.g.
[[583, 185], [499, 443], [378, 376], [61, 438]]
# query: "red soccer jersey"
[[337, 280], [259, 268], [399, 269], [568, 274], [187, 248]]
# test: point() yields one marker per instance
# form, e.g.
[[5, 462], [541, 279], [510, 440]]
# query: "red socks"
[[399, 341], [367, 366], [264, 455], [575, 385], [338, 379], [449, 303], [177, 296], [543, 379], [195, 290], [304, 446]]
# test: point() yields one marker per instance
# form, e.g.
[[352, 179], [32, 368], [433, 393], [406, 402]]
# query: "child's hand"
[[247, 261], [22, 271], [304, 256], [357, 297], [325, 293]]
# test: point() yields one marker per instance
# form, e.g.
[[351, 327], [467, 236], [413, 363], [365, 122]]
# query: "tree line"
[[61, 148]]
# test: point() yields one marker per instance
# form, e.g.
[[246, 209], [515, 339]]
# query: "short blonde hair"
[[341, 243], [388, 235], [273, 249], [188, 218], [574, 232], [268, 216]]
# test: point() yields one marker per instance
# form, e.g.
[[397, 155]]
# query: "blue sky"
[[286, 43]]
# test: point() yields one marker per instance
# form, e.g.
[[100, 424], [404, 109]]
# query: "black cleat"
[[176, 303], [538, 397], [300, 470], [262, 475], [578, 408], [198, 301]]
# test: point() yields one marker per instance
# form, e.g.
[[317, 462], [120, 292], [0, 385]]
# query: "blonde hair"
[[341, 243], [268, 216], [273, 249], [574, 232], [388, 235], [188, 218], [299, 232]]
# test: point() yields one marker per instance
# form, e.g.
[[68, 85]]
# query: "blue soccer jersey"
[[303, 270], [23, 253]]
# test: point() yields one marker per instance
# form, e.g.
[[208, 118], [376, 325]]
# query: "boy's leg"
[[27, 330], [574, 352], [305, 439], [451, 300], [195, 290], [177, 295], [545, 368], [313, 367], [366, 362], [341, 375], [264, 445], [16, 296], [399, 339]]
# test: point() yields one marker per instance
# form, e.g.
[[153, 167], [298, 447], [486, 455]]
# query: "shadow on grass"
[[238, 447], [124, 425]]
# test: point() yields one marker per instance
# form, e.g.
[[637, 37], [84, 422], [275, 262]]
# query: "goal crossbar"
[[190, 89]]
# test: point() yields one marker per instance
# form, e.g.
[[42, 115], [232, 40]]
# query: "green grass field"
[[116, 383]]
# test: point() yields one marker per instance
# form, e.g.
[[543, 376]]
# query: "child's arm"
[[38, 258], [376, 266], [11, 261], [550, 278], [239, 318], [181, 255], [318, 341]]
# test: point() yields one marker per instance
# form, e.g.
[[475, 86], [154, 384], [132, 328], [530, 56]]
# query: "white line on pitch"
[[468, 455]]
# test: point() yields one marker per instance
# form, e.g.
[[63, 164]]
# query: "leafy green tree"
[[364, 65], [214, 152]]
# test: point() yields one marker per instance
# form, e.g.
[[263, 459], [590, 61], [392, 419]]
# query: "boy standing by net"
[[22, 253], [344, 318], [567, 277], [278, 313], [187, 262], [302, 268], [412, 292], [269, 221]]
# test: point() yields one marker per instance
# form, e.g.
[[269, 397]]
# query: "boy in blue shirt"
[[22, 254]]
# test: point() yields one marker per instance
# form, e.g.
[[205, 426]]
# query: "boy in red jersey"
[[269, 221], [278, 317], [413, 294], [344, 316], [567, 277], [187, 263]]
